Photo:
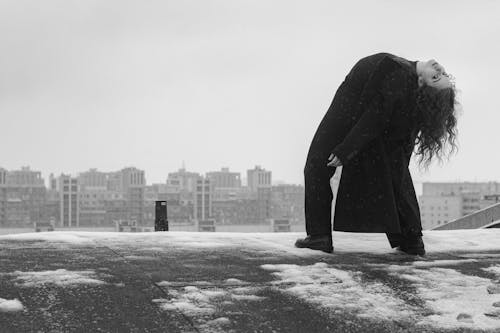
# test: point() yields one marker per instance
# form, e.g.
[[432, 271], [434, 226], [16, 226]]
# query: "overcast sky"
[[109, 84]]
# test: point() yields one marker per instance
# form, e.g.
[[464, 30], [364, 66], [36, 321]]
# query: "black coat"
[[371, 127]]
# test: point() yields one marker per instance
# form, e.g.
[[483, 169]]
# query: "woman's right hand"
[[334, 161]]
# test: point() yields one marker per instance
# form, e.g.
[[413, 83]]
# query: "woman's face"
[[434, 75]]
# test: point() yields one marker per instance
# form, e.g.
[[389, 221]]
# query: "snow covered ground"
[[457, 285], [475, 240]]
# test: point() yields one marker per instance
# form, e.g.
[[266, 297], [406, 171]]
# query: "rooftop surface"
[[247, 282]]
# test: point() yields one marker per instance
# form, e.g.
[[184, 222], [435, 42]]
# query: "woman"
[[384, 108]]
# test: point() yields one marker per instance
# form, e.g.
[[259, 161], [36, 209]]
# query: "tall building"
[[69, 201], [258, 178], [224, 178], [93, 180], [226, 184], [92, 199], [260, 182], [133, 181], [184, 180], [203, 199], [185, 183], [22, 197], [25, 177]]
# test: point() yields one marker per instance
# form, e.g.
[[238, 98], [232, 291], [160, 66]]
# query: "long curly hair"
[[437, 114]]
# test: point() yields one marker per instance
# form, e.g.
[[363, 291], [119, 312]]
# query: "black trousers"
[[318, 195]]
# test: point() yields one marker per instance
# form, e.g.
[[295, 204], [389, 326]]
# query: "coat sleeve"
[[386, 87]]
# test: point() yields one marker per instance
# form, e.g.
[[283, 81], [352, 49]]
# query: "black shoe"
[[413, 244], [322, 243]]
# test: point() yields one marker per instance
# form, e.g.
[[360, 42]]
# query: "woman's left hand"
[[333, 161]]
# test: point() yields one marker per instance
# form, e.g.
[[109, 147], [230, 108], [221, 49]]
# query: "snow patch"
[[196, 300], [434, 263], [248, 297], [233, 281], [183, 283], [493, 269], [13, 305], [192, 300], [134, 257], [457, 300], [337, 289], [215, 325], [60, 277]]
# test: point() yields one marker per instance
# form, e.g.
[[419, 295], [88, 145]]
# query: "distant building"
[[436, 210], [226, 184], [233, 193], [489, 199], [93, 180], [263, 204], [287, 201], [24, 177], [454, 188], [133, 181], [240, 211], [69, 201], [92, 203], [114, 181], [444, 202], [22, 197], [52, 208], [258, 178], [116, 207], [93, 187], [203, 199], [224, 178], [184, 180]]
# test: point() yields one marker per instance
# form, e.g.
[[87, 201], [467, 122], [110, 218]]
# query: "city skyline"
[[98, 198], [183, 167], [275, 180], [233, 83]]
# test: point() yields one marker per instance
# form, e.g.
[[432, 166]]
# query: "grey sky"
[[109, 84]]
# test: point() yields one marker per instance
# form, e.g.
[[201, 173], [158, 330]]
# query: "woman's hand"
[[333, 161]]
